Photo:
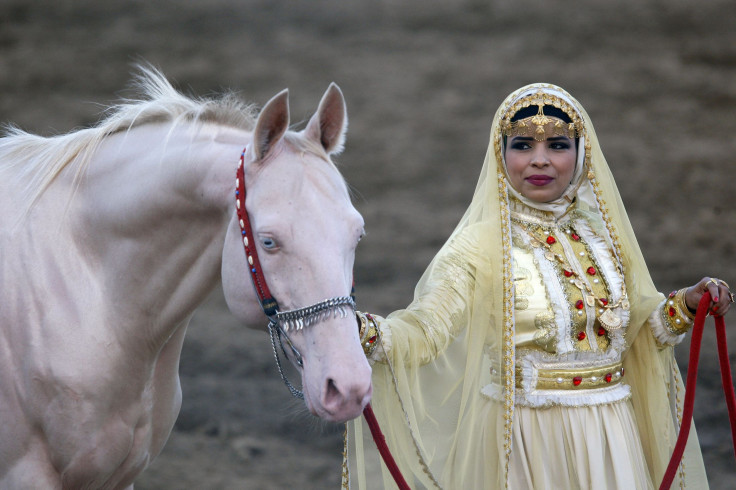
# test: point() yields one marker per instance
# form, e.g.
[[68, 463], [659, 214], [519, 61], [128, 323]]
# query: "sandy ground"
[[422, 80]]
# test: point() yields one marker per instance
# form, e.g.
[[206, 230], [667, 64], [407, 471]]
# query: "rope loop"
[[692, 372]]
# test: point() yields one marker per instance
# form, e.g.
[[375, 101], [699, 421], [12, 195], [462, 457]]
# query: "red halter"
[[268, 302]]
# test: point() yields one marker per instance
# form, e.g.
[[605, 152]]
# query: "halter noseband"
[[279, 323]]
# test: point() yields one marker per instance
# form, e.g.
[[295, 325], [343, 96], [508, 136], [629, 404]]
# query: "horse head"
[[305, 230]]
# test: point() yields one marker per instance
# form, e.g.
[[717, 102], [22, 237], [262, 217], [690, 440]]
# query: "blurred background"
[[422, 80]]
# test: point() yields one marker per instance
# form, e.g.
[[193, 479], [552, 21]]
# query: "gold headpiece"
[[542, 125]]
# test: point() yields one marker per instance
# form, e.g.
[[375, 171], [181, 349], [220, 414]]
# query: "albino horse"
[[111, 236]]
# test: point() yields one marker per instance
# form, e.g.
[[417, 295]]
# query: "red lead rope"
[[692, 371], [380, 441]]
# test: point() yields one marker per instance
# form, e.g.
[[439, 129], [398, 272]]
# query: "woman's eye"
[[560, 146], [520, 146]]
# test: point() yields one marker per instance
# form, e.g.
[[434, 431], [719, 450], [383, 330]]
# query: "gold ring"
[[714, 281], [724, 283]]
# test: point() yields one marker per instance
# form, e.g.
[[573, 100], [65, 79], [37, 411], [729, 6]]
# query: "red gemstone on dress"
[[577, 380], [551, 240], [372, 339], [579, 304], [601, 331], [608, 377], [581, 336], [575, 237], [622, 372], [604, 301], [672, 294], [591, 270], [567, 273], [671, 311]]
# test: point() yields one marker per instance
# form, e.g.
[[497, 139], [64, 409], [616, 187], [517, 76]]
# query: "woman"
[[537, 353]]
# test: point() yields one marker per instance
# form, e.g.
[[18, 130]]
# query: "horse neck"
[[151, 216]]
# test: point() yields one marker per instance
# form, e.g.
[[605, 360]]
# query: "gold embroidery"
[[583, 283], [575, 379], [546, 335], [345, 470], [607, 220], [676, 317], [523, 288], [447, 297], [508, 366]]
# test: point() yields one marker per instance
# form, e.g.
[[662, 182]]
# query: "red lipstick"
[[539, 180]]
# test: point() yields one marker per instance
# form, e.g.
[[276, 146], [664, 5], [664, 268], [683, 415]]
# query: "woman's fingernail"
[[715, 300]]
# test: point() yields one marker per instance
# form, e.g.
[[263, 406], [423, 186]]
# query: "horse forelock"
[[37, 160]]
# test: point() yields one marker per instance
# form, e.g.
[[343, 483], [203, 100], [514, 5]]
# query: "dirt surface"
[[422, 80]]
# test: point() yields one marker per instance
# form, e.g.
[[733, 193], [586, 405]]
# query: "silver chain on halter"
[[309, 315], [282, 322]]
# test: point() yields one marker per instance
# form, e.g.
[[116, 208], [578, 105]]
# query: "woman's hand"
[[720, 293]]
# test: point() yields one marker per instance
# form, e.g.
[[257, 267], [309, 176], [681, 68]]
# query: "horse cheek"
[[236, 283]]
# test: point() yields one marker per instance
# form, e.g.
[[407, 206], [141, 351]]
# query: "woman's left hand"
[[720, 293]]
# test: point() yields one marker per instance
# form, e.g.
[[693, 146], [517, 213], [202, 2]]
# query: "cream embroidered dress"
[[537, 352]]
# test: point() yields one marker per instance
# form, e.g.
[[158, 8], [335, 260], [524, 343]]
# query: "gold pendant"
[[609, 320], [549, 256], [590, 300]]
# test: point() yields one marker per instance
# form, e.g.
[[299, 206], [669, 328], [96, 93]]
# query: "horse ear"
[[330, 123], [272, 123]]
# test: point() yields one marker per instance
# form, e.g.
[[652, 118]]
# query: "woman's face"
[[540, 170]]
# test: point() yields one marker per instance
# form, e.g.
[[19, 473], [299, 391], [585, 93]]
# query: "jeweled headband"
[[541, 125]]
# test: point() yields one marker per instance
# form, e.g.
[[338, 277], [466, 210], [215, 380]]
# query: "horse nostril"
[[343, 403], [333, 397]]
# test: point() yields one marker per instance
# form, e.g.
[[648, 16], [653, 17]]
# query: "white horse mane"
[[37, 160]]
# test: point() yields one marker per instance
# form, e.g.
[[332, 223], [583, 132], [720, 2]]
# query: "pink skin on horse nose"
[[348, 401]]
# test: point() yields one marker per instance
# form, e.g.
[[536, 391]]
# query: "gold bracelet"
[[676, 316], [362, 320], [368, 332], [682, 304]]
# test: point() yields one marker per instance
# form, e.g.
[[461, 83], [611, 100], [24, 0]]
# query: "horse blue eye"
[[268, 243]]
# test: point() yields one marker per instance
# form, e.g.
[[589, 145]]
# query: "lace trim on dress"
[[662, 335], [553, 398], [604, 257], [532, 216]]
